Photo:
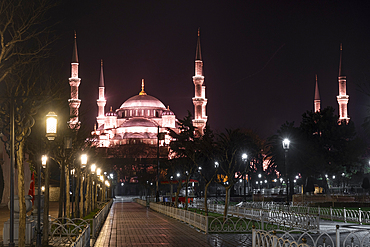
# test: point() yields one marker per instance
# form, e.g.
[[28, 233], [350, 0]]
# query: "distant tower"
[[199, 101], [342, 98], [74, 82], [317, 101], [101, 101]]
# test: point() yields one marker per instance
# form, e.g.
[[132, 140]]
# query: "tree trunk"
[[22, 202], [205, 197], [77, 191], [87, 195], [91, 195], [61, 190], [67, 195], [1, 182], [96, 194], [81, 204], [186, 193], [45, 227], [227, 198], [177, 194]]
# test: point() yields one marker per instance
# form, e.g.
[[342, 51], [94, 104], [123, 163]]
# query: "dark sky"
[[260, 57]]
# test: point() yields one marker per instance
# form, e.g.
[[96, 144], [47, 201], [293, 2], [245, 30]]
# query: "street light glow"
[[44, 158], [244, 156], [83, 160], [93, 168], [286, 143], [51, 126]]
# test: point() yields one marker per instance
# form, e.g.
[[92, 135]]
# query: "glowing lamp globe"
[[51, 126], [44, 158], [98, 172], [83, 160], [286, 143], [93, 168]]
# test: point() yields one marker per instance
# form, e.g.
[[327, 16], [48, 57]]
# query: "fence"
[[99, 219], [343, 214], [337, 238], [194, 219], [69, 232], [241, 221], [280, 218]]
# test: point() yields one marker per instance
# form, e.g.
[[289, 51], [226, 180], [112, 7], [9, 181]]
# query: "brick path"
[[130, 224]]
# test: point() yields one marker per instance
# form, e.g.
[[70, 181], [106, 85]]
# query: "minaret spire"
[[317, 101], [342, 98], [199, 100], [74, 82], [74, 54], [101, 101], [142, 88]]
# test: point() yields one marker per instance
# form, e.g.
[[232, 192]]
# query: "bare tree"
[[24, 40]]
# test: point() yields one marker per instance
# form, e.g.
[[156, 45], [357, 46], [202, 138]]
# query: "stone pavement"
[[130, 224]]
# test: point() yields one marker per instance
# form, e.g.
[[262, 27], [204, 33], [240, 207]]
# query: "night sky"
[[260, 57]]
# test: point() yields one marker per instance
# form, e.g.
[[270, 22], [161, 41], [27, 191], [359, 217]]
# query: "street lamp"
[[286, 143], [92, 185], [83, 160], [44, 158], [244, 159], [83, 165], [51, 134]]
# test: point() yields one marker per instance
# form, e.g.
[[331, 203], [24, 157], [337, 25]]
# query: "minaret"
[[317, 101], [199, 101], [101, 101], [342, 98], [74, 82]]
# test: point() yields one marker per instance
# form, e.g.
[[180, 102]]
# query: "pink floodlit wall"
[[342, 86], [74, 71], [198, 68]]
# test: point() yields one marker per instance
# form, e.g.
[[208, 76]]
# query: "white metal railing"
[[141, 202], [359, 216], [197, 220], [334, 238], [83, 239], [343, 214], [276, 217], [99, 219]]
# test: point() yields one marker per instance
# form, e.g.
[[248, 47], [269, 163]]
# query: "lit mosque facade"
[[140, 119]]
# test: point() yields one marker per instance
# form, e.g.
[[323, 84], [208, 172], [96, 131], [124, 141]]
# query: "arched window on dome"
[[154, 113], [136, 113], [130, 113], [125, 113], [148, 113], [142, 113]]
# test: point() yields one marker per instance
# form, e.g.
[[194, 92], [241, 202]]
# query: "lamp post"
[[102, 199], [216, 167], [93, 184], [83, 165], [244, 159], [286, 143], [51, 133], [98, 173], [43, 164], [65, 176]]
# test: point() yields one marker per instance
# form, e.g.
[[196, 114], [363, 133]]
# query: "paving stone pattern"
[[130, 224]]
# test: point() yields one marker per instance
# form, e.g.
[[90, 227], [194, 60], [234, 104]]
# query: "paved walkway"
[[130, 224]]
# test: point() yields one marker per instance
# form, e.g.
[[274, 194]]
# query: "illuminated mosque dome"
[[136, 121], [143, 101]]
